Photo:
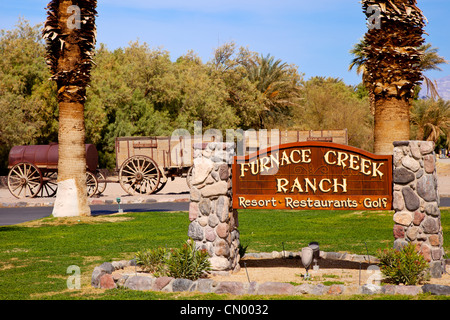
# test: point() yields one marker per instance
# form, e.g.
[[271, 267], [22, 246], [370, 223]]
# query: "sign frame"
[[273, 191]]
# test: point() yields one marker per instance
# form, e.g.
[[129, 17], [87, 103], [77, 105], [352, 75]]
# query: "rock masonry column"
[[213, 221], [417, 217]]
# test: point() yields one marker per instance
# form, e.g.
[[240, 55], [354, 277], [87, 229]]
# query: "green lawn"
[[34, 257]]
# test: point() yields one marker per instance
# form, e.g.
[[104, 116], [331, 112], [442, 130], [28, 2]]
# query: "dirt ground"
[[292, 271]]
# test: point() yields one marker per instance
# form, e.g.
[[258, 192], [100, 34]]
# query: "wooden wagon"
[[33, 171], [145, 164]]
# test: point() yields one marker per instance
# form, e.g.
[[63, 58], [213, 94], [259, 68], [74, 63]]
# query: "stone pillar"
[[213, 221], [417, 216]]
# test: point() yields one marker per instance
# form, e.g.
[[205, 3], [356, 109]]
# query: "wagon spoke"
[[21, 172], [130, 172], [148, 164], [134, 165], [49, 184], [18, 186], [18, 175]]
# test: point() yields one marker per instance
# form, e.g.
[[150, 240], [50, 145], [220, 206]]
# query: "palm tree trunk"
[[71, 197], [391, 121]]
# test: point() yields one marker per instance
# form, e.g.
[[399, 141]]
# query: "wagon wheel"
[[49, 184], [91, 184], [24, 180], [101, 182], [161, 185], [189, 177], [139, 174]]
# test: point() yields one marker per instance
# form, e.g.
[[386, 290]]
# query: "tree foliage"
[[430, 121], [138, 90]]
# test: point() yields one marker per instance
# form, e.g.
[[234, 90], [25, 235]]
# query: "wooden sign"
[[312, 175]]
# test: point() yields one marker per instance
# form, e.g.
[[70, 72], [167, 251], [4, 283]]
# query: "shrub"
[[186, 262], [153, 261], [406, 266]]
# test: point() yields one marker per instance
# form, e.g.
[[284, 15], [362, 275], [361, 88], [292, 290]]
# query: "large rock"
[[436, 289], [214, 190], [403, 217], [96, 275], [371, 289], [275, 288], [427, 188], [410, 163], [403, 176], [219, 263], [107, 282], [412, 201], [139, 283], [222, 208], [426, 147], [205, 206], [195, 231], [431, 225], [181, 285], [231, 287], [202, 168]]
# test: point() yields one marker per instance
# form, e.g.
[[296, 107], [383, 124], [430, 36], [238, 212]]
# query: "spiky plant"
[[70, 35], [393, 67]]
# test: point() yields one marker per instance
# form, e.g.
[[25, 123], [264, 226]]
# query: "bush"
[[405, 266], [185, 262], [153, 261]]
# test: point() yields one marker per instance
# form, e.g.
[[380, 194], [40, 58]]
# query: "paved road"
[[11, 216]]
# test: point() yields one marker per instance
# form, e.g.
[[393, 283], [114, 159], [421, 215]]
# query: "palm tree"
[[279, 84], [70, 34], [431, 120], [431, 60], [393, 67]]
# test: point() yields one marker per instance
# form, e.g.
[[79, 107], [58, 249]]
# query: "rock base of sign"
[[417, 218], [213, 221]]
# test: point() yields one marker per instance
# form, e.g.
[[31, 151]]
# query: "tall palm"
[[393, 68], [279, 84], [70, 33]]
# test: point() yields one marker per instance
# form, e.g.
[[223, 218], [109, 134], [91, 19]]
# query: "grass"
[[34, 256]]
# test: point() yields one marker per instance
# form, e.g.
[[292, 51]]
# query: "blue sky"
[[316, 35]]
